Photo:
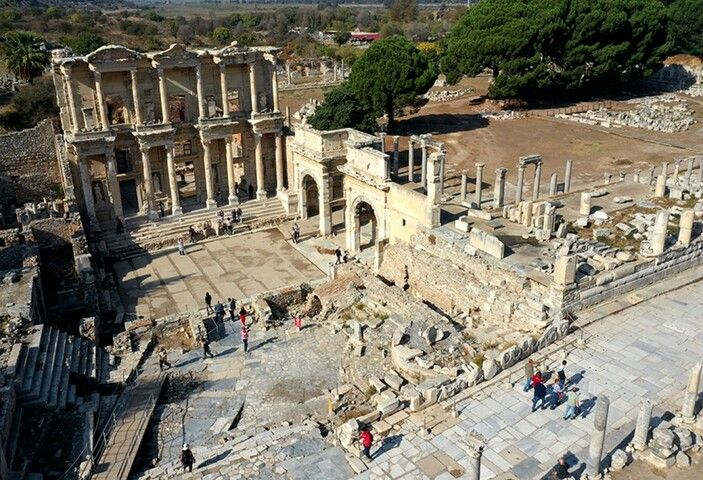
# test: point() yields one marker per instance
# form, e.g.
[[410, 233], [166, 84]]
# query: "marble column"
[[279, 162], [700, 170], [288, 116], [441, 173], [567, 176], [595, 450], [325, 210], [636, 177], [499, 188], [274, 85], [538, 174], [148, 203], [689, 172], [660, 189], [176, 209], [606, 178], [644, 418], [232, 198], [464, 180], [75, 112], [288, 77], [223, 90], [686, 227], [677, 165], [104, 122], [520, 183], [659, 238], [411, 160], [423, 168], [688, 409], [651, 175], [138, 119], [87, 187], [479, 184], [665, 168], [113, 185], [585, 207], [259, 157], [252, 88], [473, 470], [200, 90], [553, 182], [162, 95], [396, 153], [210, 201], [382, 136]]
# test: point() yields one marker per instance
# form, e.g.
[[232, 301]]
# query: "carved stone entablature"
[[175, 56], [99, 139], [155, 135], [113, 58], [233, 54], [266, 122], [373, 180], [215, 128]]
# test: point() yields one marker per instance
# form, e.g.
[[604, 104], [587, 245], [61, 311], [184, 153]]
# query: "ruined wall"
[[29, 169], [441, 273]]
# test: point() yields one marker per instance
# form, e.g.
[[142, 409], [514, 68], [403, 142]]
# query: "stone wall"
[[29, 168]]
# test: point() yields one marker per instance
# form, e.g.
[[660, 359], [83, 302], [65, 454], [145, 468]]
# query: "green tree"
[[391, 75], [222, 35], [343, 109], [685, 27], [84, 43], [342, 37], [30, 105], [23, 55], [403, 10]]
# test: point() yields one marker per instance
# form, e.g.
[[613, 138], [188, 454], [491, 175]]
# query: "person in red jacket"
[[536, 378], [366, 442], [243, 317]]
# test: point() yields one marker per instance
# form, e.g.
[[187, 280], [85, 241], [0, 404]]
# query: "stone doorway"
[[363, 227], [128, 194], [310, 196]]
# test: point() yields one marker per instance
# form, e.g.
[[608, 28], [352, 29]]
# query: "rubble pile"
[[446, 95], [503, 115], [663, 113], [306, 111]]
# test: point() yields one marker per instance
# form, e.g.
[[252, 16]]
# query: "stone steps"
[[42, 367]]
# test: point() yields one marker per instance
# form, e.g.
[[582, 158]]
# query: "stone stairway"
[[43, 367], [154, 235]]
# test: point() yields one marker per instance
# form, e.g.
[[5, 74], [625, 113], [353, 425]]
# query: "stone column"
[[202, 109], [259, 157], [636, 178], [353, 233], [87, 186], [288, 116], [396, 153], [148, 203], [585, 208], [324, 190], [382, 136], [688, 413], [411, 160], [252, 88], [606, 178], [279, 162], [288, 77], [689, 172], [104, 123], [659, 237], [651, 175], [538, 174], [677, 165], [274, 85], [113, 186], [464, 180], [686, 227], [423, 168], [479, 184], [700, 170], [499, 188], [135, 97], [660, 189], [473, 470], [644, 417], [223, 90], [567, 176], [162, 95], [520, 183], [232, 191], [553, 179], [176, 209], [75, 112], [665, 168], [210, 201], [441, 173], [595, 450]]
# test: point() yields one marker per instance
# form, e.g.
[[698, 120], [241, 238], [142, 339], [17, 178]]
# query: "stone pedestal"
[[686, 227], [660, 189], [585, 207]]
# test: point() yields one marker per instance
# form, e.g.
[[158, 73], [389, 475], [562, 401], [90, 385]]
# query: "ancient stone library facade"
[[179, 127]]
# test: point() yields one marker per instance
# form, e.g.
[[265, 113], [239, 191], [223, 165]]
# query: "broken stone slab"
[[389, 407], [601, 192], [618, 460], [394, 381], [581, 222], [407, 353], [475, 213], [683, 460], [622, 199], [625, 256], [376, 383], [381, 428], [490, 368], [601, 232], [462, 224]]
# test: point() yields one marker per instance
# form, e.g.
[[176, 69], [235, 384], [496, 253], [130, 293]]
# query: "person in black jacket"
[[187, 458]]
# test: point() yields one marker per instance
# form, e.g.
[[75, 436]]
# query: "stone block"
[[490, 368], [618, 460], [407, 353], [396, 417], [683, 460], [487, 243], [394, 381], [376, 383], [381, 428], [473, 374], [389, 407], [462, 224], [475, 213]]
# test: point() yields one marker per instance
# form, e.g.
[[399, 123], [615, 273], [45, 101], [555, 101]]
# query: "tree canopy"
[[342, 109], [558, 47], [686, 27], [23, 55], [391, 75]]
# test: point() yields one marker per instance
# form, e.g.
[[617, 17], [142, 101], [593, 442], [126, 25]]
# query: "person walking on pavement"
[[219, 311], [243, 316], [181, 247], [187, 458], [208, 302], [338, 253], [366, 442], [163, 359], [191, 234], [245, 339], [539, 396], [206, 347], [536, 378], [296, 232], [529, 372], [298, 322], [557, 394], [572, 404], [232, 305], [561, 374]]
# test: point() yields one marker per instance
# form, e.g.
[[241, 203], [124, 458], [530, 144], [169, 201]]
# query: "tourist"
[[345, 256], [218, 195], [221, 214], [163, 359], [251, 192], [239, 214], [232, 305], [161, 210], [539, 396], [536, 378], [338, 253], [572, 404], [561, 470], [245, 339], [236, 189], [219, 311], [208, 302], [187, 458], [243, 316], [298, 322], [561, 374], [529, 372], [181, 247], [119, 226], [205, 343], [191, 234], [406, 278], [296, 232], [557, 394], [366, 441]]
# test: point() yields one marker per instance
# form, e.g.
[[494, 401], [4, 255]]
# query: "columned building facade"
[[165, 131]]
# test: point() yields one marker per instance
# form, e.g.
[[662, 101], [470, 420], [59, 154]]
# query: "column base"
[[233, 200], [176, 211], [210, 204], [261, 195], [152, 216]]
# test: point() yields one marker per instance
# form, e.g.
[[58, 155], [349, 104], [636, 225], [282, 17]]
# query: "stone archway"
[[362, 224], [309, 197]]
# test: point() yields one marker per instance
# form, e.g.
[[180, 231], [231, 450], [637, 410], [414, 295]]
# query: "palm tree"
[[22, 54]]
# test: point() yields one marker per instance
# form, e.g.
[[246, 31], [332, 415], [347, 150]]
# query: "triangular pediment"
[[177, 52], [112, 54]]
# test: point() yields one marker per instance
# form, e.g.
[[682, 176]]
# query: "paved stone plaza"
[[164, 283]]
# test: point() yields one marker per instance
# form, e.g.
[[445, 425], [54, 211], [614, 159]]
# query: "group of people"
[[342, 257], [219, 311]]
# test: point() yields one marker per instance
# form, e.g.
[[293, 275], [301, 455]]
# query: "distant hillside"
[[65, 3]]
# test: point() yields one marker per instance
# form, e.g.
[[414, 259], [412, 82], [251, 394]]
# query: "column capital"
[[480, 165], [144, 148], [206, 141]]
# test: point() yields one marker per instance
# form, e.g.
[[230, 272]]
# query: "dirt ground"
[[469, 138]]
